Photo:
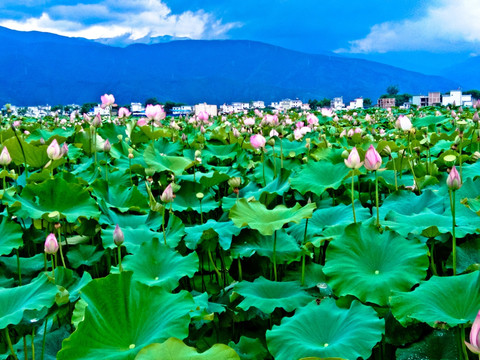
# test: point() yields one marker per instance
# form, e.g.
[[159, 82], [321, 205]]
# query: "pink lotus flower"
[[373, 160], [123, 113], [53, 150], [86, 118], [155, 112], [64, 149], [142, 122], [273, 133], [51, 244], [118, 237], [107, 100], [353, 160], [167, 195], [312, 119], [257, 141], [271, 119], [453, 180], [97, 120], [5, 157], [107, 146], [249, 121], [327, 112], [474, 345], [203, 116]]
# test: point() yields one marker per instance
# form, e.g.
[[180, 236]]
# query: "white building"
[[337, 103], [356, 104], [210, 109], [456, 97], [136, 107], [98, 110], [226, 109], [258, 104], [182, 110]]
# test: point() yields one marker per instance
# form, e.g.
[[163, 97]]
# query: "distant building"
[[98, 110], [386, 103], [420, 100], [182, 110], [356, 104], [258, 104], [337, 103], [210, 109], [457, 98], [434, 98]]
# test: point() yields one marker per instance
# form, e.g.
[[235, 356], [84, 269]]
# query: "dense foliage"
[[252, 236]]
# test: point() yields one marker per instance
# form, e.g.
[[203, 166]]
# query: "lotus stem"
[[201, 212], [263, 169], [219, 275], [281, 154], [432, 261], [303, 256], [44, 338], [33, 343], [119, 249], [274, 256], [353, 198], [163, 226], [274, 162], [53, 267], [376, 199], [106, 168], [9, 342], [95, 144], [4, 181], [395, 173], [240, 276], [462, 341], [60, 248], [19, 270], [460, 156], [454, 240]]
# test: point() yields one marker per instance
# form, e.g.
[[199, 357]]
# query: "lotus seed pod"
[[200, 196]]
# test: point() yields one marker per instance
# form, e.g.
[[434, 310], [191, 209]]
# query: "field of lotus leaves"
[[284, 236]]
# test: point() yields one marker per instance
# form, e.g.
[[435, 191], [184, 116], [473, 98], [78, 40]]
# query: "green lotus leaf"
[[155, 264], [36, 156], [208, 179], [120, 197], [252, 242], [71, 282], [221, 152], [318, 177], [314, 276], [123, 316], [58, 133], [468, 256], [437, 345], [407, 203], [30, 267], [369, 265], [451, 299], [111, 131], [418, 224], [249, 349], [258, 217], [167, 147], [162, 162], [419, 122], [175, 349], [83, 255], [335, 218], [204, 309], [326, 330], [471, 171], [268, 295], [225, 231], [38, 200], [186, 198], [11, 236], [35, 296]]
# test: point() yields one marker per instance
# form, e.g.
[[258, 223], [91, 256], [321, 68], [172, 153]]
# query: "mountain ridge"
[[38, 68]]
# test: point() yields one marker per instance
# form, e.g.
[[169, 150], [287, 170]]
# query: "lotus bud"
[[97, 120], [64, 149], [167, 195], [107, 147], [118, 237], [198, 153], [474, 345], [53, 151], [476, 118], [387, 150], [184, 137], [353, 160], [476, 155], [453, 180], [257, 141], [235, 182], [51, 244], [373, 160], [5, 157], [42, 141]]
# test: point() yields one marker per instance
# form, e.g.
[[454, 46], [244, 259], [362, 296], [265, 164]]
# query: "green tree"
[[324, 102], [392, 90], [87, 107], [152, 101], [169, 105], [475, 93], [367, 102]]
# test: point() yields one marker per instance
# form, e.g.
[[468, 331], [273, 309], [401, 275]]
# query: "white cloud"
[[446, 25], [136, 18]]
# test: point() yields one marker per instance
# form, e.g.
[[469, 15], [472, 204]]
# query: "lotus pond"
[[255, 236]]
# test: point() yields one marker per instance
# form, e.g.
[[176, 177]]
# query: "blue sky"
[[375, 28]]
